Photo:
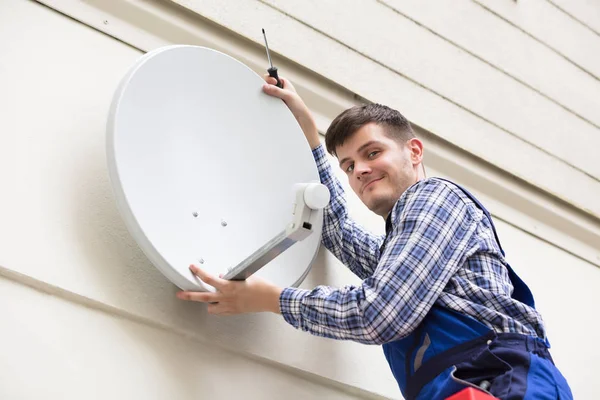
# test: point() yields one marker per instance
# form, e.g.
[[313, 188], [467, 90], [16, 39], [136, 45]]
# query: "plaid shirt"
[[439, 249]]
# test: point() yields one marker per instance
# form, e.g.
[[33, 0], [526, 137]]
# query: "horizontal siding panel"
[[495, 41], [551, 26], [585, 11], [78, 352]]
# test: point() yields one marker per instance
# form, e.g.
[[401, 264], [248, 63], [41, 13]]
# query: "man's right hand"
[[297, 107]]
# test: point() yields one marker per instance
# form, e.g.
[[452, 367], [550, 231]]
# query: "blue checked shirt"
[[439, 249]]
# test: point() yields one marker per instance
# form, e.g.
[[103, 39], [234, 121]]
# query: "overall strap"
[[521, 290]]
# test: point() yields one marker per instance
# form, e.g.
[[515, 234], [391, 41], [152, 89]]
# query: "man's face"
[[379, 168]]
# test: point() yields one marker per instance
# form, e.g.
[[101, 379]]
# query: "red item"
[[471, 394]]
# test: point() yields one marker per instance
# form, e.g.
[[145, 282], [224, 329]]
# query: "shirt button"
[[489, 342]]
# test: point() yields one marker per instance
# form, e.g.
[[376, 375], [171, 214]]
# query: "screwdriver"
[[273, 70]]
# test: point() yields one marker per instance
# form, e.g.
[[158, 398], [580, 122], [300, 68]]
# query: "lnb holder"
[[309, 199]]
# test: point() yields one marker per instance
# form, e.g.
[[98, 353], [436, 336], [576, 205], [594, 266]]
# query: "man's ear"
[[416, 150]]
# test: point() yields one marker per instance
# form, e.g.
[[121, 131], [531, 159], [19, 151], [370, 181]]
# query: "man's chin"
[[378, 204]]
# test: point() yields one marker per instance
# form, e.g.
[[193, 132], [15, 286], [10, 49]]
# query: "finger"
[[274, 91], [201, 297], [206, 277], [270, 80]]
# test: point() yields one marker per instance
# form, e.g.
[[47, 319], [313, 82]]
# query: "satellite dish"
[[208, 169]]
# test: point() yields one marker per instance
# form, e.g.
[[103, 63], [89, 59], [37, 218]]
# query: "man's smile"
[[369, 184]]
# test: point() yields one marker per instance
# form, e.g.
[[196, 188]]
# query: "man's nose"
[[361, 170]]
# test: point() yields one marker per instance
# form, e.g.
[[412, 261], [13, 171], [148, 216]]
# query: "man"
[[437, 292]]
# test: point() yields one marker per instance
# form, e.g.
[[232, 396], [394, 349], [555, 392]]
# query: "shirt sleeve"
[[354, 246], [430, 240]]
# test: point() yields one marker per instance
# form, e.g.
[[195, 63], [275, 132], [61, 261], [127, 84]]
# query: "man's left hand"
[[235, 297]]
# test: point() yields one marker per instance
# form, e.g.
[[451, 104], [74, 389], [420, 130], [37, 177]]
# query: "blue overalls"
[[450, 351]]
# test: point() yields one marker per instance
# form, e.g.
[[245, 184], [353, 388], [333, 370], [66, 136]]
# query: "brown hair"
[[351, 120]]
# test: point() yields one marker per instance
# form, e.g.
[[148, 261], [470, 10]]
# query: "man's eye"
[[350, 168], [373, 154]]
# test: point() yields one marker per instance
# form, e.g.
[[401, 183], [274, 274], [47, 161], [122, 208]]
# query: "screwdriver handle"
[[273, 73]]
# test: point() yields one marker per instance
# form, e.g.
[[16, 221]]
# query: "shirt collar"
[[390, 220]]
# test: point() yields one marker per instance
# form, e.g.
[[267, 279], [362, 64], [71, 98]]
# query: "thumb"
[[206, 277]]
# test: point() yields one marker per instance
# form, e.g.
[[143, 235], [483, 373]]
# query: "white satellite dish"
[[208, 169]]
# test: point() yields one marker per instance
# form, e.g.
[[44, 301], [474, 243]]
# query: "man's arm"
[[430, 242], [354, 246], [297, 107]]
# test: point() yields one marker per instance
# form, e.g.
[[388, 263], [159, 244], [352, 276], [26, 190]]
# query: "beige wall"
[[57, 349], [111, 326]]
